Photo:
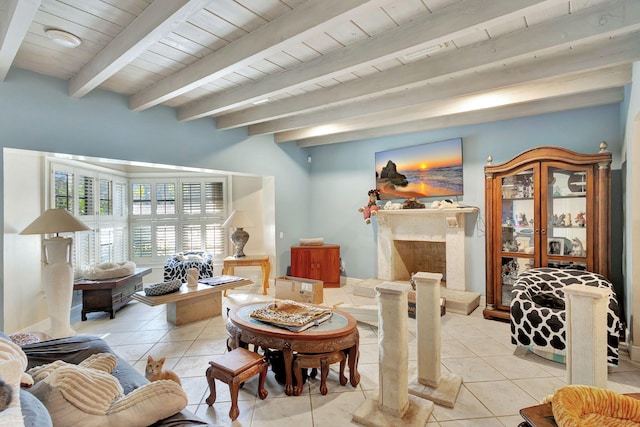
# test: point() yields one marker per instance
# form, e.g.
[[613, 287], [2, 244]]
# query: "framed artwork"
[[555, 246], [426, 170]]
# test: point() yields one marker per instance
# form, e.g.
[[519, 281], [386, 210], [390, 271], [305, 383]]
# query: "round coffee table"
[[339, 333]]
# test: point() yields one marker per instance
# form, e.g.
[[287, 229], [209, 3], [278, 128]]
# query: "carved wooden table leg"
[[288, 365], [354, 375], [212, 388], [324, 372]]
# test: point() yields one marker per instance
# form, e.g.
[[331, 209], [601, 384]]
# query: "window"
[[178, 215], [166, 198], [144, 220], [141, 199], [63, 190], [84, 192]]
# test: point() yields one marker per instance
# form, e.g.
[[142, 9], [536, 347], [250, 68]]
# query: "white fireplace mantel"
[[424, 225]]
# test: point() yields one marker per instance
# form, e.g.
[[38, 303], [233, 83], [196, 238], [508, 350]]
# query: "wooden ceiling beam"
[[547, 88], [271, 37], [525, 109], [622, 50], [604, 20], [154, 23], [441, 26], [15, 20]]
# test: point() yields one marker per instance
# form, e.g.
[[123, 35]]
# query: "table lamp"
[[238, 220], [57, 273]]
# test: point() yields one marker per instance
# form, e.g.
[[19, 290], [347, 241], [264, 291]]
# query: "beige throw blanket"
[[289, 313]]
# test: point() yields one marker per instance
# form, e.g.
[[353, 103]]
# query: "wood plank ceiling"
[[329, 71]]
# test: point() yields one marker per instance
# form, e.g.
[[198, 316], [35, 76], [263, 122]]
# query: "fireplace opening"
[[414, 256]]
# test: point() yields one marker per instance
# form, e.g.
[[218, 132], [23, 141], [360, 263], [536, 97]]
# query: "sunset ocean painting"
[[427, 170]]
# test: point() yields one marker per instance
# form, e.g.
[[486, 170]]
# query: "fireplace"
[[429, 240], [417, 256]]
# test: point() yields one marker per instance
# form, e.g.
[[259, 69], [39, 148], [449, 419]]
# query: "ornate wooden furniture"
[[109, 295], [191, 304], [318, 262], [340, 333], [322, 361], [547, 207], [230, 263], [234, 368]]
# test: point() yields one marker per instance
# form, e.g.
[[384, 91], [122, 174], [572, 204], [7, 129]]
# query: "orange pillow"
[[585, 406]]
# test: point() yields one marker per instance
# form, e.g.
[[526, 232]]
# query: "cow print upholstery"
[[542, 327], [177, 265]]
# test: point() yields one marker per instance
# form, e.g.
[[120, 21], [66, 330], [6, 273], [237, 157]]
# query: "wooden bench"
[[234, 368]]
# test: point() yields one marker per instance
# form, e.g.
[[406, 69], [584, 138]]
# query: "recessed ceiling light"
[[63, 38]]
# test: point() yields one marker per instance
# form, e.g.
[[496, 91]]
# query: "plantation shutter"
[[85, 247], [106, 244], [214, 197], [214, 239], [191, 198], [120, 200], [120, 245], [85, 195], [165, 240], [191, 237], [141, 243]]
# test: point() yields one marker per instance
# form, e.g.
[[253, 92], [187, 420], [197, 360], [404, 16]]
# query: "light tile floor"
[[499, 379]]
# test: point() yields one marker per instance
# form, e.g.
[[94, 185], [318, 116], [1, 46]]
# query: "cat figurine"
[[154, 371]]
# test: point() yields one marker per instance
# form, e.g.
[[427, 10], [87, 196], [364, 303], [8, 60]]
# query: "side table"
[[230, 263]]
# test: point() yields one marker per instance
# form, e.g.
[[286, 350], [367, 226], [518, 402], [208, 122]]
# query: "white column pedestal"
[[394, 405], [587, 335], [431, 383]]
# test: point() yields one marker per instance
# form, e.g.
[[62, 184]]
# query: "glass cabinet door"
[[518, 239], [568, 231]]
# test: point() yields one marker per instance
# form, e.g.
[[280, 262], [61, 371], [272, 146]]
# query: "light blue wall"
[[341, 175], [37, 114]]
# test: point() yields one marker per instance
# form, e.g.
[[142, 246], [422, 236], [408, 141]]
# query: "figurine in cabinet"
[[510, 246], [510, 271], [522, 219], [578, 248], [580, 220]]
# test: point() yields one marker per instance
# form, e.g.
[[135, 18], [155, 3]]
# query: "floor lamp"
[[57, 273], [238, 220]]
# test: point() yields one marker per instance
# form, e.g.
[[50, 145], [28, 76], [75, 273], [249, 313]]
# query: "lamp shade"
[[55, 221], [238, 219]]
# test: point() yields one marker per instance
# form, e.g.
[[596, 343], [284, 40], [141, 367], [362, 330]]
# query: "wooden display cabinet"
[[547, 207], [321, 262]]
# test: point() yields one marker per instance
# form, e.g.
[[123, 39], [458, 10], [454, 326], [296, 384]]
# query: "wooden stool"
[[321, 360], [234, 368]]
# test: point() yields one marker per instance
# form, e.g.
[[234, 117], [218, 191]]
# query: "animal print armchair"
[[538, 315], [177, 265]]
